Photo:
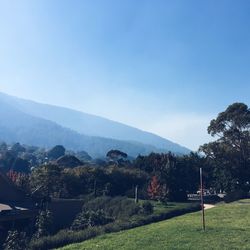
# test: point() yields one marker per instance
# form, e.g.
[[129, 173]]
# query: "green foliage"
[[118, 158], [235, 195], [124, 179], [71, 184], [7, 159], [15, 241], [43, 223], [65, 237], [56, 152], [229, 155], [176, 175], [68, 161], [45, 180], [147, 207], [117, 207], [21, 165], [83, 156], [90, 218], [12, 160], [3, 146], [115, 154], [227, 228], [54, 181], [177, 195], [18, 148]]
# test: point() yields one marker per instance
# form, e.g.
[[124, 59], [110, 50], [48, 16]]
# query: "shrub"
[[66, 237], [147, 207], [177, 195], [43, 224], [212, 199], [117, 208], [90, 219], [15, 240], [235, 195]]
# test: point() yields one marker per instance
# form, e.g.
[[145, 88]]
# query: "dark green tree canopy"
[[234, 121], [18, 148], [69, 161], [56, 152], [230, 153], [113, 154]]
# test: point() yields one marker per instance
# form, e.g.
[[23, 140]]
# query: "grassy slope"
[[228, 227]]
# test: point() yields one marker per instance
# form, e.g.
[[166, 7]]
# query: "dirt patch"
[[208, 206]]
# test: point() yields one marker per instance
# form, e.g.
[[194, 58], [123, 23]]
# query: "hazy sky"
[[163, 66]]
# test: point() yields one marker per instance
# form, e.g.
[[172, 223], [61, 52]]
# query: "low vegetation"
[[119, 192], [117, 214], [228, 227]]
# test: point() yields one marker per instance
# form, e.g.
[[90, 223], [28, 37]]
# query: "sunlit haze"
[[167, 67]]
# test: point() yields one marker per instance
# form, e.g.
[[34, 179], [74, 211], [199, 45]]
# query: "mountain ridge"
[[92, 125]]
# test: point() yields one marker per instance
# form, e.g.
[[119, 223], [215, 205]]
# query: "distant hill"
[[46, 125]]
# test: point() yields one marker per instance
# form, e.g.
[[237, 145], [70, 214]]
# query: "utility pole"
[[202, 201], [136, 194]]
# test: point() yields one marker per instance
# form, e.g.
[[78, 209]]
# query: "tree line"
[[225, 162]]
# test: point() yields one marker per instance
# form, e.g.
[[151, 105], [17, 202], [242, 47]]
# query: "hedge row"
[[65, 237]]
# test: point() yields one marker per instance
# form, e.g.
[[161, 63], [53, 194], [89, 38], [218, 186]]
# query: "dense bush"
[[147, 207], [56, 152], [178, 196], [212, 199], [66, 237], [117, 207], [15, 241], [235, 195], [44, 222], [90, 219]]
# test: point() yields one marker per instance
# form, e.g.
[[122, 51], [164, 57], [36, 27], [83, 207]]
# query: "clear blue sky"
[[163, 66]]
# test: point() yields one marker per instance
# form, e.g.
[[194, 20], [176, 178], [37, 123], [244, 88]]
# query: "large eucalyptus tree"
[[230, 152]]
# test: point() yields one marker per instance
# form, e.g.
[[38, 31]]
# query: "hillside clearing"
[[228, 227]]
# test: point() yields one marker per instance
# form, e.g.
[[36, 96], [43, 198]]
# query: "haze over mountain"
[[46, 125]]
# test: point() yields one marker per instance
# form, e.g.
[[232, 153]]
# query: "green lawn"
[[161, 208], [170, 206], [228, 227]]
